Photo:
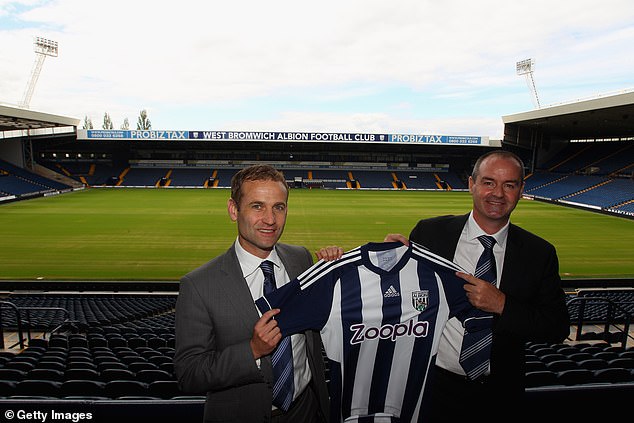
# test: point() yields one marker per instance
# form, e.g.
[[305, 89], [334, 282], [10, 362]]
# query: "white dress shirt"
[[254, 277], [468, 252]]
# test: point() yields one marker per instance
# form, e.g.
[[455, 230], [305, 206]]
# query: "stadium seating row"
[[580, 363], [88, 310], [139, 348], [89, 389], [57, 369], [103, 175]]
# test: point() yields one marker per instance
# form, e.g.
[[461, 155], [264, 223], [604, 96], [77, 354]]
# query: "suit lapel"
[[239, 296], [292, 267], [237, 290], [512, 255], [447, 241]]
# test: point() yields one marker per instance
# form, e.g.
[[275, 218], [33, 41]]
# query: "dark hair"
[[254, 173], [499, 153]]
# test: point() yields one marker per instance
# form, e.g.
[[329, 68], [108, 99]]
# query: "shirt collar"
[[250, 263], [474, 231]]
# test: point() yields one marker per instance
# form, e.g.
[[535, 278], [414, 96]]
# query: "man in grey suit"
[[223, 346]]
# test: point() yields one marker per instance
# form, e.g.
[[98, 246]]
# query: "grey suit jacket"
[[215, 316]]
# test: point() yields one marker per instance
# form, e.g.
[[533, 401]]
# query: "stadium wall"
[[586, 207], [11, 151]]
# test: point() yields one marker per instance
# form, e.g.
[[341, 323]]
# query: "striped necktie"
[[476, 343], [282, 356]]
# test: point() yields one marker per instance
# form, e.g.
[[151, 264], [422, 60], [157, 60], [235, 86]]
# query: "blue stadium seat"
[[82, 387], [612, 375], [12, 374], [151, 375], [7, 388], [38, 388], [45, 374], [164, 389], [574, 376], [540, 378], [125, 388], [108, 375], [85, 374]]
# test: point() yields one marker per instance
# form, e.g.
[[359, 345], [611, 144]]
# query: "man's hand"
[[329, 253], [396, 238], [482, 294], [266, 334]]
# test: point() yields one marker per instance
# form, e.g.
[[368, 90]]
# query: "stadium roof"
[[15, 119], [601, 118], [605, 117]]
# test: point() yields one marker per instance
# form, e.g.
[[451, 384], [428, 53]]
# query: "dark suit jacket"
[[535, 308], [215, 316]]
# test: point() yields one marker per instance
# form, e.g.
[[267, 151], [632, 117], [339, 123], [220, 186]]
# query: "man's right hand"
[[396, 238], [329, 253], [266, 334]]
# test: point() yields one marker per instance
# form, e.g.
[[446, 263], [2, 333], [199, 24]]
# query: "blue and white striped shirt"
[[381, 309]]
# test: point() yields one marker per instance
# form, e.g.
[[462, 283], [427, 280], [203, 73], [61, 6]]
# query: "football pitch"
[[160, 234]]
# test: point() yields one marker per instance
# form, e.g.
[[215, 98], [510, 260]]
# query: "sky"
[[361, 66]]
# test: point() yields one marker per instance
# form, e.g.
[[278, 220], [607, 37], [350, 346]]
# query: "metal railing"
[[24, 317], [16, 310], [614, 316]]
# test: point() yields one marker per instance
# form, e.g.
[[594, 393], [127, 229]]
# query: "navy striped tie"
[[282, 356], [476, 343]]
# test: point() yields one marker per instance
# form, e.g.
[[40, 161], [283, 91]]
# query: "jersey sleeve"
[[302, 306], [459, 305]]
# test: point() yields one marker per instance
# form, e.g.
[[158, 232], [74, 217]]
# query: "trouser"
[[305, 408], [455, 397]]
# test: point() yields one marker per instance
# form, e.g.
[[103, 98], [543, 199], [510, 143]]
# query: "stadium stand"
[[143, 177], [567, 186], [103, 174], [223, 177], [602, 158], [597, 177], [540, 179], [586, 174], [326, 178], [19, 182], [124, 366], [188, 177], [612, 193], [370, 179], [420, 180]]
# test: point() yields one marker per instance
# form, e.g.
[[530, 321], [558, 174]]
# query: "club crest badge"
[[420, 299]]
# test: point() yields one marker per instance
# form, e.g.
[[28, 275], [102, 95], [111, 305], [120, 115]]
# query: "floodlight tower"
[[42, 48], [525, 67]]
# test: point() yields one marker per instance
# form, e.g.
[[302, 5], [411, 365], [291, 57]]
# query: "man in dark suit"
[[527, 301], [223, 345]]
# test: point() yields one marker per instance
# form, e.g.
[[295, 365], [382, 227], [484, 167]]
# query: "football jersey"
[[380, 309]]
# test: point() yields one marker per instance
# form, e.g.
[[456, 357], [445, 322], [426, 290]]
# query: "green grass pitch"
[[161, 234]]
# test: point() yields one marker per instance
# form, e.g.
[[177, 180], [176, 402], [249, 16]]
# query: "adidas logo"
[[391, 292]]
